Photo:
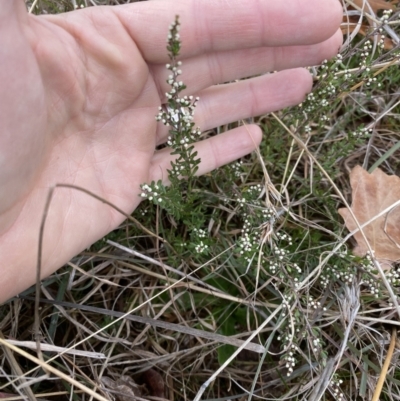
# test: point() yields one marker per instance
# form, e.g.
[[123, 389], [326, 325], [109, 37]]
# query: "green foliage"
[[276, 242], [264, 233], [227, 328], [177, 199]]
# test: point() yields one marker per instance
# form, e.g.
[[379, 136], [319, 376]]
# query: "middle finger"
[[203, 71]]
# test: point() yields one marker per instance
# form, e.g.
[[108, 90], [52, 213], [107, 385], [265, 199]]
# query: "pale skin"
[[80, 92]]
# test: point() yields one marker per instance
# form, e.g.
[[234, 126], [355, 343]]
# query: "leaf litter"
[[372, 194]]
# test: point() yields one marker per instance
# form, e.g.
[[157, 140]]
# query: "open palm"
[[80, 92]]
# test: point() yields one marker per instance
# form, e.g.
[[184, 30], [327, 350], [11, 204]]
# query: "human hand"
[[80, 92]]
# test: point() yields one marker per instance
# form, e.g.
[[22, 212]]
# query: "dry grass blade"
[[208, 290], [17, 370], [39, 397], [33, 6], [53, 348], [165, 325], [53, 370]]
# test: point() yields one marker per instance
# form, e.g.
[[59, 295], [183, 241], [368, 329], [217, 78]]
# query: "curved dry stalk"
[[385, 366]]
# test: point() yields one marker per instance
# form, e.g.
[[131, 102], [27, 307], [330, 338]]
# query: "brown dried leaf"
[[155, 383], [372, 193], [124, 388]]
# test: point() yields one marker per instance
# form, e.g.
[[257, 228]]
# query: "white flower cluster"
[[178, 113], [180, 116], [284, 237], [386, 15], [201, 247], [307, 129], [286, 339], [324, 280], [373, 289], [372, 80], [330, 89], [335, 388], [297, 267], [200, 233], [312, 303], [273, 266], [247, 241], [289, 358], [255, 189], [241, 201], [285, 304], [369, 281], [346, 274], [280, 253], [393, 277], [316, 344], [365, 53], [381, 42], [347, 74], [362, 132], [268, 213], [324, 64], [311, 96], [321, 97], [290, 362], [174, 36], [237, 167], [251, 195], [151, 193]]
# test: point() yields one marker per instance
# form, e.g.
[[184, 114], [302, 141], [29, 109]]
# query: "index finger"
[[219, 25]]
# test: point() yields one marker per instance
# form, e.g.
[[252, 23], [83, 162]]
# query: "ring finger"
[[222, 104]]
